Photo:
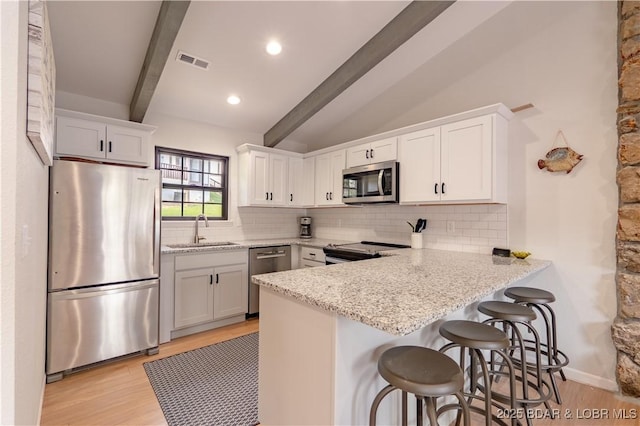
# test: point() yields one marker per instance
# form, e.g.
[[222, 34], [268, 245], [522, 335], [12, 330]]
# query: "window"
[[192, 184]]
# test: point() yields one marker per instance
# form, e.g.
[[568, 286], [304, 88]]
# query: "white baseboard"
[[590, 379]]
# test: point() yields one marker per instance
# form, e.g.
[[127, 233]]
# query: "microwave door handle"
[[380, 182]]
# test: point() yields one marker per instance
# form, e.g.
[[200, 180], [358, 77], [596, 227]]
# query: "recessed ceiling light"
[[274, 48], [233, 100]]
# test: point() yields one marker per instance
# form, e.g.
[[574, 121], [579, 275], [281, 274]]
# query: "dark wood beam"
[[168, 23], [400, 29]]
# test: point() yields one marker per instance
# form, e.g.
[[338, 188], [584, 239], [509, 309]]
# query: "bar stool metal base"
[[539, 300], [512, 318], [473, 338]]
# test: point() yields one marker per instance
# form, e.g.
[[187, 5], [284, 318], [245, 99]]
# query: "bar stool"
[[514, 317], [539, 300], [426, 373], [473, 337]]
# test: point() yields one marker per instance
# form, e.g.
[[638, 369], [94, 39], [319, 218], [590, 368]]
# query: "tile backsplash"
[[250, 223], [472, 228]]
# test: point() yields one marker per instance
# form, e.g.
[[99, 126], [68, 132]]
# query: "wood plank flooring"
[[119, 393]]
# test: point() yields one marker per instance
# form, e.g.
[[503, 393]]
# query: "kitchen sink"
[[207, 244]]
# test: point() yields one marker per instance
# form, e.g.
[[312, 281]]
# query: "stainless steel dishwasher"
[[261, 261]]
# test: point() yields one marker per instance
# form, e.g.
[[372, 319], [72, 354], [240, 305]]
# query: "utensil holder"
[[416, 240]]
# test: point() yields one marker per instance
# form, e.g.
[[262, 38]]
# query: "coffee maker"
[[305, 227]]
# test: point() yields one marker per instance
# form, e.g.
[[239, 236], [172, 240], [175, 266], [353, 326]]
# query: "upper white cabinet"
[[102, 138], [374, 152], [328, 177], [269, 177], [463, 161]]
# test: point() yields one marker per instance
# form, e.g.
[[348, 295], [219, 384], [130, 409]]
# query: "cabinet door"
[[358, 155], [384, 150], [259, 178], [295, 183], [337, 166], [308, 181], [193, 297], [466, 163], [230, 291], [323, 179], [127, 145], [419, 158], [278, 166], [80, 138]]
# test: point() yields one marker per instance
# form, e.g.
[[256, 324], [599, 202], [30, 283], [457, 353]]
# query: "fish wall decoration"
[[562, 159]]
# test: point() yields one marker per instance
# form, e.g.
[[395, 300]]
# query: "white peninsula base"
[[320, 368]]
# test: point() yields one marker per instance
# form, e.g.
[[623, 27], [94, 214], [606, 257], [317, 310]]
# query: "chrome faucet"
[[197, 238]]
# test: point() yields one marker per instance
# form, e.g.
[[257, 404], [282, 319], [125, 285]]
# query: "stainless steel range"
[[340, 253]]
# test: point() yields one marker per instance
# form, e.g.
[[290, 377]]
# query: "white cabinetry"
[[269, 177], [463, 161], [295, 185], [311, 257], [101, 138], [193, 297], [374, 152], [328, 176], [210, 290]]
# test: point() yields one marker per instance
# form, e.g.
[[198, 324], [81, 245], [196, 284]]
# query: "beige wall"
[[23, 227]]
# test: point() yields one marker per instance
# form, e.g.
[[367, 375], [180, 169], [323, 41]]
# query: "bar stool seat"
[[474, 335], [507, 311], [529, 295], [424, 372], [420, 371]]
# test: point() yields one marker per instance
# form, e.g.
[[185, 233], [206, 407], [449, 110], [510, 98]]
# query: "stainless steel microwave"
[[373, 183]]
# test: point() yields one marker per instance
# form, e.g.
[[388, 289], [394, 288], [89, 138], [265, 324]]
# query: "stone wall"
[[626, 327]]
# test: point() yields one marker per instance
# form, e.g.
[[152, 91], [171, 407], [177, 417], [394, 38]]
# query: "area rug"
[[214, 385]]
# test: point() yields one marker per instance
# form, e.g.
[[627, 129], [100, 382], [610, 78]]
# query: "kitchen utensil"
[[413, 229], [421, 225]]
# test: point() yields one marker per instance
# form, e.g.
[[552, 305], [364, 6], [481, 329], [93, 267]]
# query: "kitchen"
[[560, 218]]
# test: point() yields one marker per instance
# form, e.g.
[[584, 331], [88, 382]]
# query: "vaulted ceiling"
[[100, 47]]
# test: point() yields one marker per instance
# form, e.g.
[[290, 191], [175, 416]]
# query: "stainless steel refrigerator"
[[104, 249]]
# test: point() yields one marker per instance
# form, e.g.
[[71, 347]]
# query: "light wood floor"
[[119, 393]]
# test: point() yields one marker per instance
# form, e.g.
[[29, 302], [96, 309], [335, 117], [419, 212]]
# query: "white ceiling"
[[99, 48]]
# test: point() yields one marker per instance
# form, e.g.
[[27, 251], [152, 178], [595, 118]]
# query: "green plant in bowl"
[[520, 254]]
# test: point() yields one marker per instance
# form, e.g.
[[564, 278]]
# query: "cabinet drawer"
[[210, 259], [310, 263], [312, 253]]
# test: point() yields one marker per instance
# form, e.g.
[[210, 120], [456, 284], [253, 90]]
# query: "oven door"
[[334, 260], [374, 183]]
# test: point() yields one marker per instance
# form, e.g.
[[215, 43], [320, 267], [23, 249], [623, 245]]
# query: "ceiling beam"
[[164, 34], [412, 19]]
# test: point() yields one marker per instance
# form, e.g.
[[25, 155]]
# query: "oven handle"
[[329, 260], [380, 186]]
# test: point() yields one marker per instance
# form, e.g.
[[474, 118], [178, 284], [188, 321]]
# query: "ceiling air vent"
[[193, 60]]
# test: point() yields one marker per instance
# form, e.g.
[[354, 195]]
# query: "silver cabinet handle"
[[270, 254]]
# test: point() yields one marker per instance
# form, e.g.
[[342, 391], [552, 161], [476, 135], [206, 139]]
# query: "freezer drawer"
[[94, 324]]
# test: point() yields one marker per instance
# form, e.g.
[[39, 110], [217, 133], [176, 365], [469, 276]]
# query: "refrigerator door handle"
[[84, 293]]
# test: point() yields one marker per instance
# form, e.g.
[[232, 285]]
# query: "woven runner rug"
[[215, 385]]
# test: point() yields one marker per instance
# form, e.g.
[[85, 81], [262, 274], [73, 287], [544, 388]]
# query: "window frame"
[[197, 155]]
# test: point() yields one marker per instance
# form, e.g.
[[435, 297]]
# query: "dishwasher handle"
[[271, 254]]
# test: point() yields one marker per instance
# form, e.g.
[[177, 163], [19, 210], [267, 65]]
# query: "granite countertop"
[[237, 245], [405, 290]]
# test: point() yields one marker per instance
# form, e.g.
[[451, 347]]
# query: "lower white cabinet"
[[193, 297], [202, 290], [311, 257]]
